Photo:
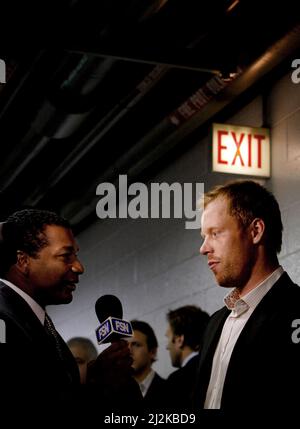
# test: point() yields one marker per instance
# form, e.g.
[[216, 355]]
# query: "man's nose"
[[205, 248], [77, 267]]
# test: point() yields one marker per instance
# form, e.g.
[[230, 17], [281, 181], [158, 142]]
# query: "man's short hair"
[[86, 344], [24, 230], [145, 328], [249, 200], [189, 321]]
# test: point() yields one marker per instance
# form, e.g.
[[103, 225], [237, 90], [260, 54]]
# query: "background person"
[[185, 330], [143, 349], [84, 352]]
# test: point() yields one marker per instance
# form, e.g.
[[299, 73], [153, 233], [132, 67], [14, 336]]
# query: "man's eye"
[[66, 256]]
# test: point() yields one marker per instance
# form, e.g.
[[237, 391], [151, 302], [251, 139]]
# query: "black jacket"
[[33, 375], [156, 395], [29, 356], [264, 369], [181, 385]]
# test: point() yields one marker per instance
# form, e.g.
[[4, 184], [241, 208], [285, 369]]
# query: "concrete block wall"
[[284, 115], [154, 265]]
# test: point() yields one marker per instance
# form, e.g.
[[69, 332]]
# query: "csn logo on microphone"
[[113, 328]]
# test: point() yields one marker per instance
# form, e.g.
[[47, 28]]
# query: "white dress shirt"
[[145, 384], [241, 310]]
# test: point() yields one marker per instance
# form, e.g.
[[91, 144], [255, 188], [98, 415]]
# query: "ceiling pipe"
[[132, 43], [57, 121], [102, 127], [53, 121], [113, 116], [167, 135]]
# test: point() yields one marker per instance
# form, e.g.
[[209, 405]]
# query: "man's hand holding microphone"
[[112, 368]]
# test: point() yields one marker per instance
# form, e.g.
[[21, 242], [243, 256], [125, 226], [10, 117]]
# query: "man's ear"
[[22, 262], [153, 353], [180, 341], [257, 230]]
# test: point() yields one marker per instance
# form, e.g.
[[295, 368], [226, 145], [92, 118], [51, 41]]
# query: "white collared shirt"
[[35, 307], [188, 358], [145, 384], [241, 310]]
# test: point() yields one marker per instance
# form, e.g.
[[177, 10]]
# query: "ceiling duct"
[[55, 118], [102, 127], [166, 135]]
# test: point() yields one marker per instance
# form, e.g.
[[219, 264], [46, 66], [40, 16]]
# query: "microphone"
[[112, 327]]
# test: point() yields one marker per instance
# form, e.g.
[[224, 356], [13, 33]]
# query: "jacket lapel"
[[268, 308], [211, 339]]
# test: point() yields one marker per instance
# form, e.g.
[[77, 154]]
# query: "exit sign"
[[241, 150]]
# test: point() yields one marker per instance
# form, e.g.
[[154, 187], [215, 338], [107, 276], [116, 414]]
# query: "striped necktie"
[[63, 353], [52, 332]]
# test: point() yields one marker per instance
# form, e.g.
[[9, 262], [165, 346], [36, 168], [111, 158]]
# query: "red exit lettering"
[[221, 147], [238, 140]]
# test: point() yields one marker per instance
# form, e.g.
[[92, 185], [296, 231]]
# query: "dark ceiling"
[[95, 89]]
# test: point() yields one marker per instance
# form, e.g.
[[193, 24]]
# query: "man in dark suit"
[[250, 358], [143, 348], [184, 333], [39, 266]]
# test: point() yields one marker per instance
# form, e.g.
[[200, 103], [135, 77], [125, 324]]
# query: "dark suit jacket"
[[181, 385], [33, 376], [264, 369], [156, 395], [29, 360]]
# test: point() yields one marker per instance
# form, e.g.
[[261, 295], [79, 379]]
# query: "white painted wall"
[[154, 265]]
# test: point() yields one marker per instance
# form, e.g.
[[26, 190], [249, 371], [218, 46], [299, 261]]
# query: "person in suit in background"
[[84, 352], [39, 266], [143, 348], [184, 333], [249, 360]]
